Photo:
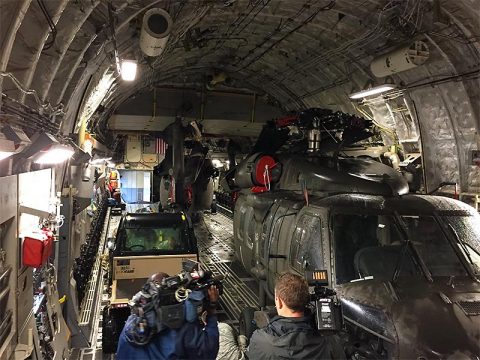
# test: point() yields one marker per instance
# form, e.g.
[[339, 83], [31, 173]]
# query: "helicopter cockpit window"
[[434, 249], [306, 247], [467, 230], [368, 246], [372, 246]]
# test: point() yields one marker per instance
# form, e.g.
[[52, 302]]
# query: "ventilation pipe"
[[400, 60], [156, 28]]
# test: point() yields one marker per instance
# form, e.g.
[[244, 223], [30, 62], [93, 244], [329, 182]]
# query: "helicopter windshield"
[[433, 247], [372, 246], [467, 231]]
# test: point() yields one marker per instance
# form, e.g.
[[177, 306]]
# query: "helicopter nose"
[[444, 330]]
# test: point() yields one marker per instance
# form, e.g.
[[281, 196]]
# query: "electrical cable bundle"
[[51, 24]]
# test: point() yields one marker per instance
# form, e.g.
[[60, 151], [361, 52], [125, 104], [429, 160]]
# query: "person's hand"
[[213, 294]]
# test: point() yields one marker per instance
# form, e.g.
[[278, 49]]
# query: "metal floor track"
[[95, 351], [215, 243]]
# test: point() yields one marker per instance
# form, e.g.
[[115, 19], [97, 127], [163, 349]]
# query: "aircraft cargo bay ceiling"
[[235, 64]]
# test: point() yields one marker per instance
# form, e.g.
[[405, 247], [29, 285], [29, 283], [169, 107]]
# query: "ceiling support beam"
[[74, 69], [7, 48], [65, 45], [120, 27], [27, 81]]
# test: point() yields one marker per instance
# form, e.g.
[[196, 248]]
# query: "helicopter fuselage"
[[400, 270]]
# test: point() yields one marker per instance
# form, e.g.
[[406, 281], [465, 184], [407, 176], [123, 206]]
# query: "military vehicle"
[[405, 267], [145, 243]]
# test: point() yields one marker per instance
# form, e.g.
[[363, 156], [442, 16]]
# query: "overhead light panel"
[[372, 91], [56, 154], [7, 148], [128, 70]]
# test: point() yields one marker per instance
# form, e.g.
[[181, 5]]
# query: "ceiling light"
[[7, 148], [372, 91], [128, 70], [56, 154]]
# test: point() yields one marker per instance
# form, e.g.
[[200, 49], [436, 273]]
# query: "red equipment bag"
[[37, 248]]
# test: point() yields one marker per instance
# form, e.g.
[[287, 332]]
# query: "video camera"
[[328, 311], [193, 277], [170, 301]]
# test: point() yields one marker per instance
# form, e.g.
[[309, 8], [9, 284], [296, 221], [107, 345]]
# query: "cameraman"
[[193, 340], [291, 334]]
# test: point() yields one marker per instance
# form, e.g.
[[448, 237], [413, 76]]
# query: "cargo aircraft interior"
[[226, 142]]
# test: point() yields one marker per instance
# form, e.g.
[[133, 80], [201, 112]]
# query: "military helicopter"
[[405, 267], [184, 179]]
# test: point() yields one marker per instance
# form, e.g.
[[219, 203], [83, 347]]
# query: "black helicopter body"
[[406, 267]]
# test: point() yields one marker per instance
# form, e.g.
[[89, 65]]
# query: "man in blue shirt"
[[193, 340]]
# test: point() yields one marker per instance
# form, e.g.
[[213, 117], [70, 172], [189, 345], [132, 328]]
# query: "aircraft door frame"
[[248, 239], [238, 227], [317, 225], [279, 233], [244, 232], [267, 234]]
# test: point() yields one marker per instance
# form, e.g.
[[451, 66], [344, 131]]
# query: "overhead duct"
[[400, 60], [156, 27]]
